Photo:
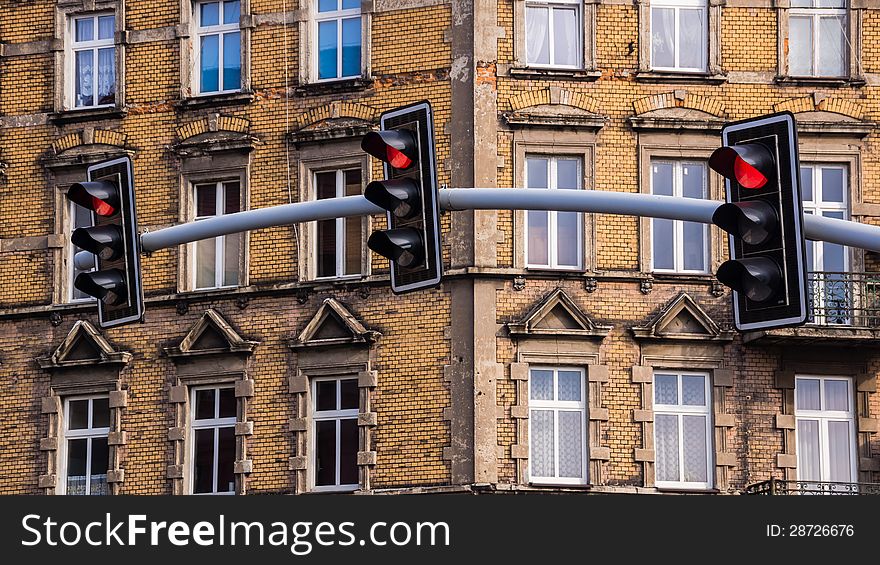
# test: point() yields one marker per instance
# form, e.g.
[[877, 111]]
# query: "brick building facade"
[[561, 352]]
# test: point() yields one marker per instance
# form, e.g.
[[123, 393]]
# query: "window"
[[557, 426], [339, 242], [554, 34], [817, 42], [335, 404], [825, 429], [213, 440], [80, 218], [554, 240], [338, 24], [677, 246], [217, 261], [85, 456], [218, 50], [93, 60], [823, 191], [679, 35], [682, 430]]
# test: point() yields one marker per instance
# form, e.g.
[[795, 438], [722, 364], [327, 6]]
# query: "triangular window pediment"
[[83, 346], [682, 318], [333, 324], [557, 315], [212, 334]]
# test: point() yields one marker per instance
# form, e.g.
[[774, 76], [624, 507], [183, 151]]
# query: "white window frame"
[[340, 226], [220, 240], [679, 411], [552, 243], [338, 16], [550, 6], [323, 416], [818, 206], [219, 30], [557, 406], [815, 14], [677, 5], [88, 433], [678, 225], [216, 424], [824, 417], [74, 47]]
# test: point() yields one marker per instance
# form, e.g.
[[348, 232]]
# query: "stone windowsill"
[[680, 77], [216, 100], [538, 73], [87, 115], [333, 87], [822, 82]]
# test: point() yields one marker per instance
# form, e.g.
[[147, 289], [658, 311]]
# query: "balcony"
[[842, 309], [778, 486]]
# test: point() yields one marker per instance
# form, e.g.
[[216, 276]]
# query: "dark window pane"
[[348, 448], [226, 460], [325, 453], [325, 395], [204, 461], [352, 182], [205, 404], [206, 200], [233, 197], [227, 403], [349, 394], [79, 414], [327, 248], [101, 413], [76, 457], [325, 185], [76, 466], [100, 457]]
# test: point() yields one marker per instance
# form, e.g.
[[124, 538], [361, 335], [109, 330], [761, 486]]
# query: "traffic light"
[[763, 216], [110, 244], [409, 193]]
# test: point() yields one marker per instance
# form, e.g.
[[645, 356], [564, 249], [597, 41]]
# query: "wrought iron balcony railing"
[[844, 299], [779, 486]]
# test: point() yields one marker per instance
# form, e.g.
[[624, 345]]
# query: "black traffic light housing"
[[764, 217], [409, 194], [116, 283]]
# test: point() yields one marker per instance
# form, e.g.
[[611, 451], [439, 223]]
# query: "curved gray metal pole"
[[282, 215], [853, 234], [633, 204]]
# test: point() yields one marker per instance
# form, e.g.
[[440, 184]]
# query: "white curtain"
[[537, 36], [571, 444], [662, 37], [565, 36], [808, 450], [800, 46]]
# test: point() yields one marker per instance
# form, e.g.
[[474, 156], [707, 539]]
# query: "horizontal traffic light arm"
[[817, 228]]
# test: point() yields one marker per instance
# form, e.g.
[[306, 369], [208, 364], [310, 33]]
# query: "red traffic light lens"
[[751, 165], [102, 208], [397, 159], [100, 196], [747, 175], [398, 148]]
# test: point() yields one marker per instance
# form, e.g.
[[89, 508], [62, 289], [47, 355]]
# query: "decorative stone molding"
[[682, 319], [84, 363], [556, 331], [86, 146], [678, 110], [338, 109], [211, 353], [821, 114], [334, 343], [212, 134]]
